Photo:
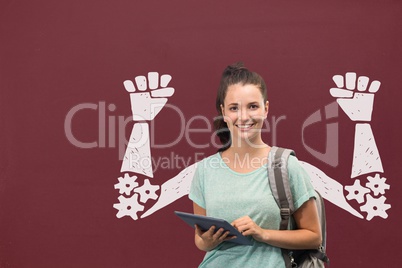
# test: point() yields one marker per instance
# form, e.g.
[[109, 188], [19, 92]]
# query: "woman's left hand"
[[247, 226]]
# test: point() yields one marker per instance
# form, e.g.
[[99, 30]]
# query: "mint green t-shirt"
[[229, 195]]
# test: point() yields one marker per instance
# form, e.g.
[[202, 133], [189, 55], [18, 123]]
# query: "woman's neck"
[[248, 149], [243, 147], [244, 159]]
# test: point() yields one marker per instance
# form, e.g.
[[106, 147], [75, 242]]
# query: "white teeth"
[[244, 126]]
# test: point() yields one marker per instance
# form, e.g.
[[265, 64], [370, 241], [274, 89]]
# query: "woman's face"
[[244, 112]]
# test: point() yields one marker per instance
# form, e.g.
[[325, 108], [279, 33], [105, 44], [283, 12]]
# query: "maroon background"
[[56, 200]]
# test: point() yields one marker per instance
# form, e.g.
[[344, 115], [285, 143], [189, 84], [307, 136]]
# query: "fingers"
[[213, 237], [350, 80], [338, 79], [362, 83], [198, 230], [220, 235], [163, 92], [241, 221], [153, 83], [375, 86], [346, 85], [129, 86], [205, 234], [245, 225], [340, 93], [244, 229]]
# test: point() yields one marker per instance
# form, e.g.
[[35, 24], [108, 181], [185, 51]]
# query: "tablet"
[[205, 223]]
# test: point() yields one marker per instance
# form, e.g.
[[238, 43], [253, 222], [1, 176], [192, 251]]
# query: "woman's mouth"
[[244, 127]]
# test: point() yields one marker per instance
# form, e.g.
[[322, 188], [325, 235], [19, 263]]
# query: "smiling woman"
[[237, 82], [237, 189], [244, 110]]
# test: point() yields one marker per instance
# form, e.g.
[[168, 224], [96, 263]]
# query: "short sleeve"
[[197, 187], [300, 183]]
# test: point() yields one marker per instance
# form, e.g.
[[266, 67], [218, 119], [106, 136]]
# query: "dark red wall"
[[56, 200]]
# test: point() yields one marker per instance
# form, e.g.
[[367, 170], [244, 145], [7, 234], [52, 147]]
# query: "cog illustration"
[[357, 192], [377, 184], [375, 207], [126, 184], [147, 191], [128, 207]]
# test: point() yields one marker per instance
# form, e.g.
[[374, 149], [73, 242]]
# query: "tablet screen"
[[205, 223]]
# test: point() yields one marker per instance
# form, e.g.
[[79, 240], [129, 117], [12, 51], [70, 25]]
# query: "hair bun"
[[234, 68]]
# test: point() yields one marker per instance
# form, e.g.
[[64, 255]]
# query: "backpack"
[[279, 183]]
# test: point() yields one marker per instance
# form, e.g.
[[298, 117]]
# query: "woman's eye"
[[253, 106], [234, 108]]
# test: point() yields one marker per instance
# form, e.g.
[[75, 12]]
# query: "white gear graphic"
[[128, 207], [126, 184], [147, 191], [375, 207], [377, 184], [356, 191]]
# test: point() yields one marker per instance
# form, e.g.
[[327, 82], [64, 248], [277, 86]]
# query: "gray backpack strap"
[[279, 182], [321, 214]]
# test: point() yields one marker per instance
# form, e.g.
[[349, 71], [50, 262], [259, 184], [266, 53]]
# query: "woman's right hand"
[[208, 240]]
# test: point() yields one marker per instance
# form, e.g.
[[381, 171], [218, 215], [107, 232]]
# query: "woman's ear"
[[266, 108], [223, 112]]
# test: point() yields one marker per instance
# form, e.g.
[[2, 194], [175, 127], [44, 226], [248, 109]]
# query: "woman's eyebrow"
[[250, 103]]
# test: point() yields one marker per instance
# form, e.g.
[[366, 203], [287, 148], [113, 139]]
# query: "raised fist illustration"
[[354, 96], [149, 95]]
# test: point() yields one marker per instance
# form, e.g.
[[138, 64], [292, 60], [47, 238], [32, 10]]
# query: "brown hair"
[[236, 73]]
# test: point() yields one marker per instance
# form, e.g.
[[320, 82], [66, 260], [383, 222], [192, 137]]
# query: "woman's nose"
[[243, 114]]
